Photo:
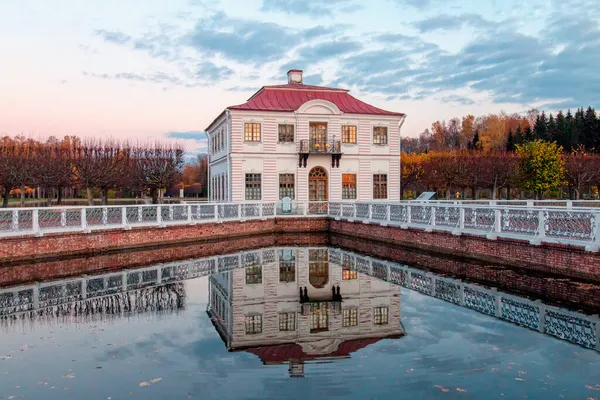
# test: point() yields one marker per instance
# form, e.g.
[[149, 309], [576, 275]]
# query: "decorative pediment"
[[319, 106]]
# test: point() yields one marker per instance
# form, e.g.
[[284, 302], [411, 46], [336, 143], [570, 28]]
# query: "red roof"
[[284, 352], [291, 96]]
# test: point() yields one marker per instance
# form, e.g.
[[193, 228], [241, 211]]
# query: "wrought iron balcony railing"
[[320, 147]]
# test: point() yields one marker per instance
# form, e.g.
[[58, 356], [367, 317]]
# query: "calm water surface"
[[393, 343]]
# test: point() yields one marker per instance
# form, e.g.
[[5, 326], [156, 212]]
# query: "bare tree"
[[157, 167]]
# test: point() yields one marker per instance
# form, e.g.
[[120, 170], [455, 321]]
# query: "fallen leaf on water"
[[69, 376], [155, 380], [461, 390], [409, 371], [596, 387], [519, 379], [144, 384]]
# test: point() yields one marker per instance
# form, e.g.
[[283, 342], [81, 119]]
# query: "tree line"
[[87, 164], [535, 168], [532, 154], [503, 132]]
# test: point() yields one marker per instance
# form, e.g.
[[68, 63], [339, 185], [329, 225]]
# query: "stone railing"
[[90, 294], [566, 225]]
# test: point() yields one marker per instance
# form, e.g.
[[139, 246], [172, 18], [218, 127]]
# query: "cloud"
[[453, 22], [210, 72], [314, 8], [155, 77], [194, 135], [457, 99], [114, 37]]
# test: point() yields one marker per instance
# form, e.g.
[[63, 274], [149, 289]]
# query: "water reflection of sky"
[[449, 352]]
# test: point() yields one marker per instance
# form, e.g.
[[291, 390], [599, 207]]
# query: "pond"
[[298, 322]]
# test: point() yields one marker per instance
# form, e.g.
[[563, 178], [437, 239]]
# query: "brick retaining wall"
[[57, 245], [560, 260]]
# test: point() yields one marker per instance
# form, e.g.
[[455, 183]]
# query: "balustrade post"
[[260, 210], [541, 224], [124, 281], [159, 275], [35, 221], [354, 211], [124, 217], [462, 294], [461, 219], [84, 288], [370, 214], [388, 212], [433, 282], [542, 316], [239, 211], [596, 230], [104, 215], [433, 212], [170, 213], [140, 214], [497, 220], [306, 204], [63, 217], [15, 220], [189, 213], [498, 306], [408, 214], [569, 204], [159, 215], [216, 216], [36, 296], [83, 218]]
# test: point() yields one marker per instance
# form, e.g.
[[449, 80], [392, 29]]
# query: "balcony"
[[331, 147]]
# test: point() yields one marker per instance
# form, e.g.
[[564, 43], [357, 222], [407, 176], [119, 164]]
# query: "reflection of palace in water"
[[301, 306]]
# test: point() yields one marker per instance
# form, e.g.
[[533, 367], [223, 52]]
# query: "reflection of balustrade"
[[74, 293]]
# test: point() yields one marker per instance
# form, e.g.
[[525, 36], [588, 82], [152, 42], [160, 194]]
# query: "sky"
[[156, 69]]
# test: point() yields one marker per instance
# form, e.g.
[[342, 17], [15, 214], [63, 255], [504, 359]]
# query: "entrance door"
[[317, 184]]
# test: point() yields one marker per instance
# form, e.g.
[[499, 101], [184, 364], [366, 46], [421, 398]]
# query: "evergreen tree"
[[552, 132], [519, 137], [510, 142], [570, 131], [540, 130], [590, 120], [475, 143], [562, 135], [528, 137], [578, 128]]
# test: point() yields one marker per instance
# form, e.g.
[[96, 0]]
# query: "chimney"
[[294, 76]]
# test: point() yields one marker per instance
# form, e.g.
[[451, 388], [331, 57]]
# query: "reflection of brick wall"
[[64, 244], [547, 258], [74, 266], [551, 288]]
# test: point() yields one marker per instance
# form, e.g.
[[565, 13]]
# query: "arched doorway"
[[317, 184]]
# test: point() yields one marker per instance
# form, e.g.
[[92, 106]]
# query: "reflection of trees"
[[158, 299]]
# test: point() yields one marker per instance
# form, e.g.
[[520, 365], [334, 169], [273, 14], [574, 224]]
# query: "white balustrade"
[[536, 222]]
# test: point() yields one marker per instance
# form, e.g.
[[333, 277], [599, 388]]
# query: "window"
[[287, 266], [254, 275], [319, 317], [380, 315], [287, 321], [348, 134], [350, 317], [349, 274], [286, 133], [349, 186], [286, 186], [380, 186], [253, 187], [252, 132], [253, 324], [380, 135]]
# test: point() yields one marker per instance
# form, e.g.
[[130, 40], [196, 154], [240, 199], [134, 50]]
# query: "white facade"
[[246, 145], [260, 306]]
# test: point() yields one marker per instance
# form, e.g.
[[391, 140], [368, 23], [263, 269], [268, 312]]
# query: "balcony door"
[[317, 184], [318, 136]]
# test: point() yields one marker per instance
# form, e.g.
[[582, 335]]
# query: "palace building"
[[296, 305], [308, 143]]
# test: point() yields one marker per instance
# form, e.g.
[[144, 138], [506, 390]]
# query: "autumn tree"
[[411, 170], [581, 169], [157, 167], [56, 171], [542, 166], [21, 165]]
